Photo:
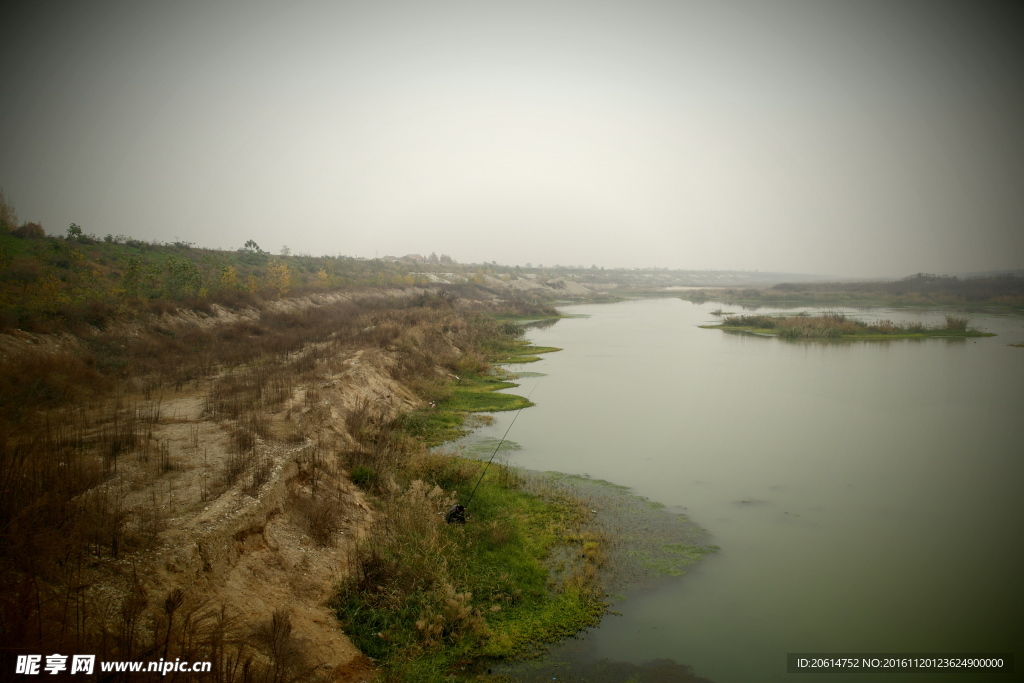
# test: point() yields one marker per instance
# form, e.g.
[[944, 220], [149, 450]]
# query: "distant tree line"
[[917, 289]]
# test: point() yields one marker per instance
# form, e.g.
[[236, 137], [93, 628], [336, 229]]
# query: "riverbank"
[[226, 470], [538, 560], [431, 601], [233, 469]]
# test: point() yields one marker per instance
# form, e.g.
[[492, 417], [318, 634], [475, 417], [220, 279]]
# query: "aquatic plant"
[[836, 325], [956, 323]]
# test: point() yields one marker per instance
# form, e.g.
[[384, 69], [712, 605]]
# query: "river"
[[866, 496]]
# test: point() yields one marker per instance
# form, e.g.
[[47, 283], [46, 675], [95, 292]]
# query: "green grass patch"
[[471, 393], [432, 601], [435, 427], [516, 351], [476, 393]]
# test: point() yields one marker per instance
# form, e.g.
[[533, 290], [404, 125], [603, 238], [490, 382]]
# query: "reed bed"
[[835, 325]]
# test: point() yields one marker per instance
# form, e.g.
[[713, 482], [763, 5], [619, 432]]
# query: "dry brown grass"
[[92, 478]]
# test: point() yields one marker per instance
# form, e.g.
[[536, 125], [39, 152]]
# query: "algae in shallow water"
[[651, 543], [482, 449], [578, 478], [650, 540]]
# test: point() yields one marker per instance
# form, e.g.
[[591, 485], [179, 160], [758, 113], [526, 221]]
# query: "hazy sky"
[[853, 137]]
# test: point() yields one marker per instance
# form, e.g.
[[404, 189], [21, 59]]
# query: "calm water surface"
[[867, 497]]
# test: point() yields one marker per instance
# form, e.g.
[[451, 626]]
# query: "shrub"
[[98, 314], [30, 231], [319, 517], [363, 477]]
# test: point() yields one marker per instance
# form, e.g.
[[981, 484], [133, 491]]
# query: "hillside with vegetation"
[[66, 281], [224, 456]]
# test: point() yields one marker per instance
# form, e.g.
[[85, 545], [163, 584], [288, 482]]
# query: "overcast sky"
[[834, 137]]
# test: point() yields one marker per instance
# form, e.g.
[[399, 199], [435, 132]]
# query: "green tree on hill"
[[279, 278], [184, 279], [8, 217]]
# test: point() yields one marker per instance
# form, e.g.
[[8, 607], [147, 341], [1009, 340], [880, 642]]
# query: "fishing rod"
[[457, 513]]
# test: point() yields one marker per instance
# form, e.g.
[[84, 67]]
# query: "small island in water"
[[834, 325]]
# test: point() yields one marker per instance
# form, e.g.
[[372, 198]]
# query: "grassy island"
[[833, 325]]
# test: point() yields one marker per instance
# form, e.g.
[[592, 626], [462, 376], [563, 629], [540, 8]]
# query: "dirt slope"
[[254, 549], [273, 538]]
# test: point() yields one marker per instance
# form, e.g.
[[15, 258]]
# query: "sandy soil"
[[252, 550]]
